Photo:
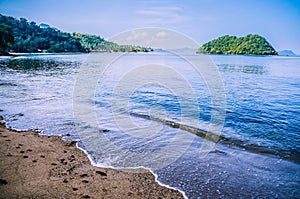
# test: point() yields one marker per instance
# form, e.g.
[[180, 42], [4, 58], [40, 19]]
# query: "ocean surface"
[[156, 110]]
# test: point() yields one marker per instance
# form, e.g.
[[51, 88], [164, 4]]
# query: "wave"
[[230, 142], [94, 163]]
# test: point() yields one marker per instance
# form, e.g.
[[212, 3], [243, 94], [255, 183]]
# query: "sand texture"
[[36, 166]]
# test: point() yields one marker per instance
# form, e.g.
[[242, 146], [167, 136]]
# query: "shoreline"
[[131, 170], [35, 166]]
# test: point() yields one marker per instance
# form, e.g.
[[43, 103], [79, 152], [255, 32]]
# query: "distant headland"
[[286, 53], [251, 44], [22, 36]]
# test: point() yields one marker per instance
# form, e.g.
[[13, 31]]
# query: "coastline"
[[38, 166]]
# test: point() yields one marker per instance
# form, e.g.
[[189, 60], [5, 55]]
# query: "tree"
[[7, 37]]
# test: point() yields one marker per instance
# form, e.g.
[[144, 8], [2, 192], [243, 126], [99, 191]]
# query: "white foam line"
[[102, 166], [164, 185], [24, 130], [120, 168]]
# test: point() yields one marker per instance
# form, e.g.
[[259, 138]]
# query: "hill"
[[28, 37], [286, 53], [247, 45]]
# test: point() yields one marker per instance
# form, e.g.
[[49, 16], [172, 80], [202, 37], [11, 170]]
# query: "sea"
[[211, 126]]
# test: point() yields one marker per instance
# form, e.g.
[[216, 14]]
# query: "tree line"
[[28, 37]]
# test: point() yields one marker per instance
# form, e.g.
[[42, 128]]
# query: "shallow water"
[[260, 157]]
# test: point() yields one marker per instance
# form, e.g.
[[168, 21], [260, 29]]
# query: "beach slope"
[[36, 166]]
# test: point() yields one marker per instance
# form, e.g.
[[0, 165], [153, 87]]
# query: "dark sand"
[[35, 166]]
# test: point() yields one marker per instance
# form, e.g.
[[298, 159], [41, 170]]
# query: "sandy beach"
[[36, 166]]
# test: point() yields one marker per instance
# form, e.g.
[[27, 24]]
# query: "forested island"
[[251, 44], [22, 36]]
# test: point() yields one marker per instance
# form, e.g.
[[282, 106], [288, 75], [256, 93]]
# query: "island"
[[286, 53], [22, 36], [251, 44]]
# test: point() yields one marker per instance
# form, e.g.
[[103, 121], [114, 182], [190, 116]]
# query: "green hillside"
[[28, 37], [248, 45]]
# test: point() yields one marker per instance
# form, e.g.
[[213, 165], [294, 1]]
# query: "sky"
[[202, 20]]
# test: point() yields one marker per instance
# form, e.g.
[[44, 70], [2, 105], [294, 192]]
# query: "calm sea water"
[[259, 156]]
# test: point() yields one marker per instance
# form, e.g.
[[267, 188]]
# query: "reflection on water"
[[46, 65], [36, 92], [250, 69]]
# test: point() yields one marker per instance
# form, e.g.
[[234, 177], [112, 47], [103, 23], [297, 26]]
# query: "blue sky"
[[202, 20]]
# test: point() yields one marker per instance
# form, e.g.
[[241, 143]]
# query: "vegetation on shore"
[[96, 43], [28, 37], [247, 45], [7, 37]]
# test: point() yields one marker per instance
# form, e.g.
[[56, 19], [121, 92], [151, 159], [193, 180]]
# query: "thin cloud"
[[166, 15], [159, 10], [162, 11]]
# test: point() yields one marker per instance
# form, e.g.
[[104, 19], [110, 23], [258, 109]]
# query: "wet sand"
[[36, 166]]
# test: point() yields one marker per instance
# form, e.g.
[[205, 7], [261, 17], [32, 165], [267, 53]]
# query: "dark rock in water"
[[1, 117], [104, 131], [175, 125], [3, 182]]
